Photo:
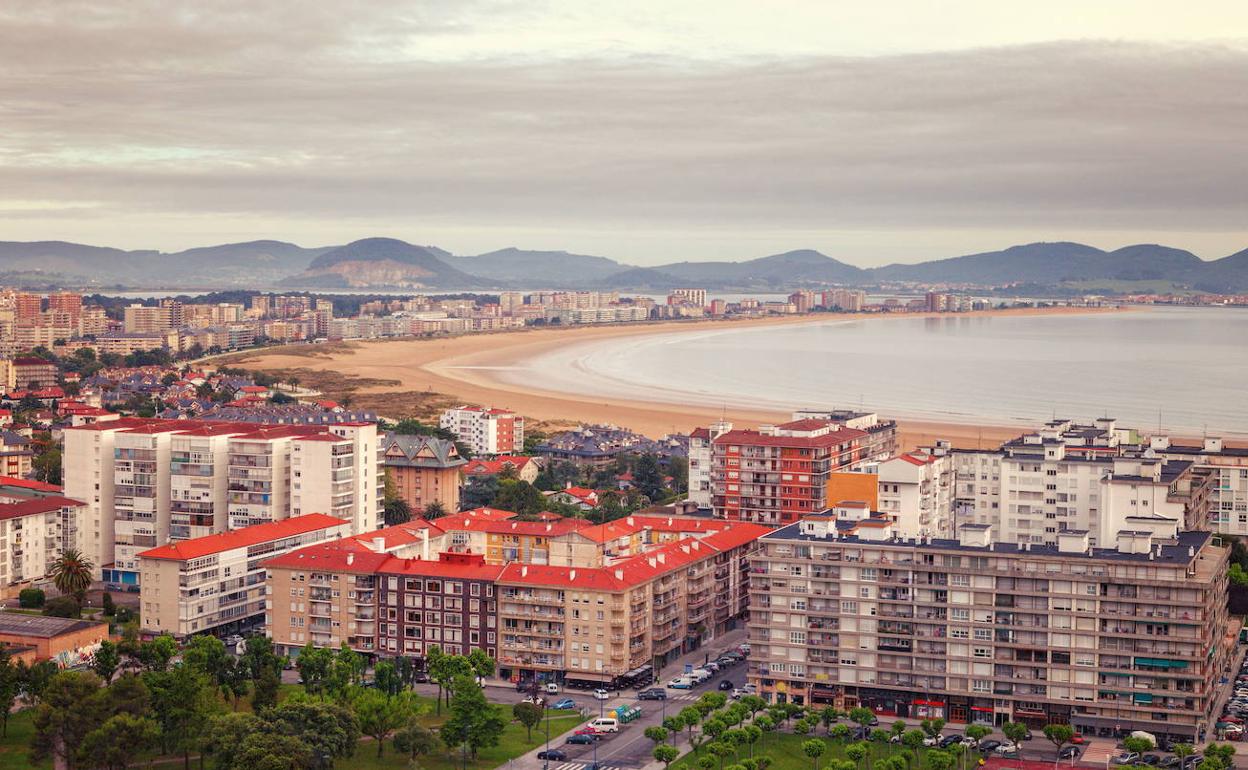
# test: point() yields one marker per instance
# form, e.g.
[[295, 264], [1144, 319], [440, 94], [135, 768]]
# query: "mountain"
[[1229, 274], [643, 279], [792, 268], [538, 268], [233, 264], [384, 262]]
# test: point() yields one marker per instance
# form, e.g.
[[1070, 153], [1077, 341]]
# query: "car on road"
[[536, 700], [680, 683], [564, 703], [1068, 752], [552, 688], [582, 738], [726, 685], [654, 693], [601, 694], [554, 755], [420, 677], [988, 744]]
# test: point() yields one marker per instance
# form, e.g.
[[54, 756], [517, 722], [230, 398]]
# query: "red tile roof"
[[495, 466], [458, 521], [41, 486], [36, 505], [241, 538], [754, 438]]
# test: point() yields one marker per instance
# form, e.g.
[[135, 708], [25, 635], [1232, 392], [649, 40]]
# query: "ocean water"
[[1184, 369]]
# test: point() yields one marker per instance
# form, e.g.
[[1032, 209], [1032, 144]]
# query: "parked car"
[[949, 740], [420, 677], [1007, 747], [564, 703], [554, 755], [536, 700], [1170, 761], [988, 744], [711, 666], [1068, 752], [581, 738], [726, 685], [968, 741], [605, 725], [1078, 739], [740, 692], [601, 694], [933, 740], [681, 683], [655, 693], [1153, 760], [1126, 758], [699, 675]]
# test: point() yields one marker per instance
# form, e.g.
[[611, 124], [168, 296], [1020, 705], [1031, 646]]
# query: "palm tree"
[[71, 574]]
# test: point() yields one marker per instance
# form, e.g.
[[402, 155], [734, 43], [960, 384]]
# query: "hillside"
[[384, 262], [792, 268], [538, 268]]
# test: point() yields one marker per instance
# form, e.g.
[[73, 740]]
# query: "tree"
[[753, 734], [753, 704], [1059, 735], [71, 709], [913, 740], [414, 739], [977, 732], [206, 655], [434, 510], [520, 497], [719, 751], [481, 663], [71, 574], [396, 511], [656, 734], [1015, 731], [106, 661], [128, 695], [856, 751], [379, 715], [479, 492], [714, 728], [267, 751], [33, 681], [10, 685], [1183, 751], [386, 678], [265, 688], [115, 744], [861, 716], [932, 727], [841, 732], [63, 607], [314, 665], [1222, 753], [896, 729], [1138, 745], [445, 670], [155, 654], [692, 718], [648, 478], [665, 753], [107, 603], [329, 730], [530, 715], [472, 722], [182, 703], [937, 760], [31, 598]]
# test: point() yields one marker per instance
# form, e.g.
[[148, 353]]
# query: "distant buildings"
[[598, 445], [215, 584], [486, 431], [424, 470]]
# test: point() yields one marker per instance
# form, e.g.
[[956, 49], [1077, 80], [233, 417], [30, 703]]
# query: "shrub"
[[31, 598], [63, 607], [107, 603]]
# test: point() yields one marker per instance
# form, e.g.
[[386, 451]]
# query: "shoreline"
[[446, 366]]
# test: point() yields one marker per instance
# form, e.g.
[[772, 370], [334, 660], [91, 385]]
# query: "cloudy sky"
[[646, 130]]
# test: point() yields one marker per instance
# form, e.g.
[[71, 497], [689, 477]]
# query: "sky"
[[649, 131]]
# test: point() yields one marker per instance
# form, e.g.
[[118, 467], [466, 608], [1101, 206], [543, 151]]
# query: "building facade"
[[217, 583], [486, 431], [1132, 636], [423, 470]]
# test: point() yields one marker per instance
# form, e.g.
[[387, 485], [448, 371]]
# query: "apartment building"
[[679, 586], [147, 482], [1227, 469], [1083, 477], [777, 474], [34, 531], [142, 319], [1130, 636], [217, 583], [486, 431], [701, 441], [32, 370], [916, 491], [424, 470]]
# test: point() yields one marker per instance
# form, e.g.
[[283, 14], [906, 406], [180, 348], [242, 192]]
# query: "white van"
[[605, 724], [699, 675]]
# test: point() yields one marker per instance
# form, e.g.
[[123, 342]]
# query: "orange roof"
[[458, 521], [493, 514], [754, 438], [36, 505], [495, 466], [241, 538], [41, 486]]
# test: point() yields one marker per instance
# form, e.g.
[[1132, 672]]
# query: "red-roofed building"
[[578, 497], [778, 474], [524, 468], [36, 526], [221, 576]]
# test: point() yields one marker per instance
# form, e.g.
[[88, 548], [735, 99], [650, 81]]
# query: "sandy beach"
[[444, 366]]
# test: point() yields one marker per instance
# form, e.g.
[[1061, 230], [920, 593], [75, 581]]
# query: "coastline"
[[453, 367]]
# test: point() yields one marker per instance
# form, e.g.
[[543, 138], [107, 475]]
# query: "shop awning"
[[1160, 663]]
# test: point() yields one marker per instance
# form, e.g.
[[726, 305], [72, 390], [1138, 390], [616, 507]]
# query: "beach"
[[465, 369]]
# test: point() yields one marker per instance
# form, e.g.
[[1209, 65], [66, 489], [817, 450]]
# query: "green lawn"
[[14, 746], [785, 750]]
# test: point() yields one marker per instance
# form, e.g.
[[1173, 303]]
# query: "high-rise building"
[[1129, 636], [142, 319], [27, 307], [486, 431], [149, 482], [696, 297]]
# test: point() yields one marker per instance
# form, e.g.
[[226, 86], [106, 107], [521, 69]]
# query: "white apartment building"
[[148, 482], [701, 441], [916, 491], [1073, 477], [485, 431], [216, 583], [1227, 468], [33, 533]]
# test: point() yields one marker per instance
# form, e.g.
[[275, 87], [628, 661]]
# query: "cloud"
[[293, 115]]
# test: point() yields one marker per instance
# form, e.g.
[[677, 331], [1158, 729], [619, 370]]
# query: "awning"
[[1160, 663]]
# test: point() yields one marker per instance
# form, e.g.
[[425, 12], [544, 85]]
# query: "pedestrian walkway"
[[583, 766]]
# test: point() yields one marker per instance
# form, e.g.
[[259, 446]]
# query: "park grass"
[[15, 746], [785, 750]]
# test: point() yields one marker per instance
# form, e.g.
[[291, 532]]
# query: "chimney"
[[572, 575], [350, 558], [379, 544], [619, 574], [424, 544], [630, 521], [524, 571], [662, 557]]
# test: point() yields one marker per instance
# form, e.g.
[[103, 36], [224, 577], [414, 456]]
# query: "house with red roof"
[[579, 497], [31, 516], [521, 467], [227, 572]]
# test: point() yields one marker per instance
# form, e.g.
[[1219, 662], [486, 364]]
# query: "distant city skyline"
[[648, 132]]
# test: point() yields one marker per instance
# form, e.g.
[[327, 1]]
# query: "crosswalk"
[[582, 766]]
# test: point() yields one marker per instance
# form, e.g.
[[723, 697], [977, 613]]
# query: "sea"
[[1177, 369]]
